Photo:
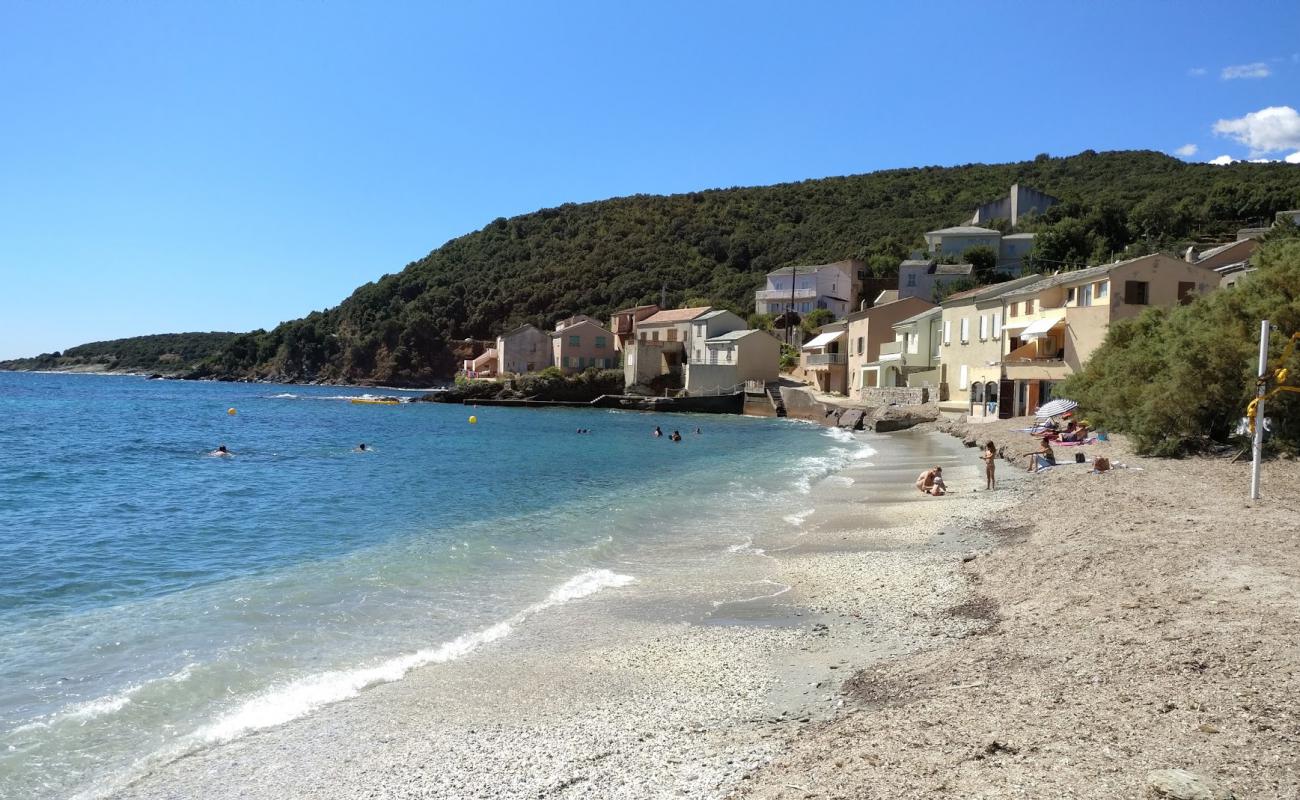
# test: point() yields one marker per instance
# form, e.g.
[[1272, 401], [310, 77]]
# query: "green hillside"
[[596, 257], [167, 353]]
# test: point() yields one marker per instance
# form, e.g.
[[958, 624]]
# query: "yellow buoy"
[[230, 411], [473, 420]]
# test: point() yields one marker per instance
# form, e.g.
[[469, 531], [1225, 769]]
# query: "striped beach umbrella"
[[1055, 408]]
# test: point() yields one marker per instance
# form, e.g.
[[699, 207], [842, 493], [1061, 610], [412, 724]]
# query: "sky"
[[171, 167]]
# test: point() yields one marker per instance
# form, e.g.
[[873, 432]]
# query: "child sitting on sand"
[[990, 455], [931, 482]]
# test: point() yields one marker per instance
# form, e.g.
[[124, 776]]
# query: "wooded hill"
[[165, 353], [716, 245]]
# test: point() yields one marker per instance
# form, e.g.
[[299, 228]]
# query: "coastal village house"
[[580, 343], [912, 359], [1005, 347], [951, 244], [724, 361], [970, 343], [824, 358], [710, 324], [661, 346], [623, 323], [1020, 200], [867, 331], [522, 350], [921, 277], [1230, 261], [834, 287]]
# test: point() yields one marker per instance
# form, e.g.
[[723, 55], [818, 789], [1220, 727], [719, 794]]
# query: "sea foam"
[[280, 704]]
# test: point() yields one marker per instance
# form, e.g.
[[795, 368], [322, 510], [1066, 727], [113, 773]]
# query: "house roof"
[[865, 313], [1214, 251], [929, 312], [989, 292], [521, 329], [714, 313], [670, 316], [580, 324], [1020, 236], [634, 309], [732, 336], [967, 230], [916, 262], [846, 264], [953, 269], [886, 296]]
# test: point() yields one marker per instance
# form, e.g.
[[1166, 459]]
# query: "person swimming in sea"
[[657, 432], [677, 436], [221, 452], [362, 448]]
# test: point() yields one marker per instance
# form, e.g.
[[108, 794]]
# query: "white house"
[[834, 287], [730, 359]]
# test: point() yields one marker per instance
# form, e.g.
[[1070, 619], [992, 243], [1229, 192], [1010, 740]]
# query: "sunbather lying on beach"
[[931, 482], [1077, 433]]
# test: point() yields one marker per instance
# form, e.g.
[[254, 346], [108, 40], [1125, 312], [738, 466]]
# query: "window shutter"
[[997, 324], [984, 327], [964, 379], [965, 329], [947, 331]]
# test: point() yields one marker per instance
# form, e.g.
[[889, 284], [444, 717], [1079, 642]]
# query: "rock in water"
[[1180, 784]]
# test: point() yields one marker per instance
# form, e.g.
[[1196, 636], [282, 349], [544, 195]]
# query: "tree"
[[815, 319], [984, 259]]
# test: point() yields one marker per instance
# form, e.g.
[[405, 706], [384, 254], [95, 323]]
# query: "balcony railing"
[[890, 348], [784, 294], [826, 359]]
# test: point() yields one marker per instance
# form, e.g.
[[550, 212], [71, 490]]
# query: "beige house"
[[522, 350], [867, 331], [912, 359], [661, 347], [825, 359], [970, 343], [727, 360], [579, 344], [708, 325], [623, 323], [484, 365]]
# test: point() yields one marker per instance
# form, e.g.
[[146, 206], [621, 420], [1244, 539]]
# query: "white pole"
[[1258, 448]]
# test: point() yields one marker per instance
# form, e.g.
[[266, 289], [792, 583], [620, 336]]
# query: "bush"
[[1179, 380]]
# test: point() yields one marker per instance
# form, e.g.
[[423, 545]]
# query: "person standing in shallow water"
[[657, 432], [990, 455]]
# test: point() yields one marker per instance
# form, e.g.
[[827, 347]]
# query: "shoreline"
[[681, 684]]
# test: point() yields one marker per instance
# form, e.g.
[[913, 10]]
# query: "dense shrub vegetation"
[[549, 384], [163, 352], [1179, 380]]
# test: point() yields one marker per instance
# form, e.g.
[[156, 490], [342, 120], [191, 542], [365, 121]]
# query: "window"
[[984, 327], [672, 334], [913, 342], [1015, 310], [1135, 293], [911, 280], [997, 325], [600, 342], [1085, 295], [1070, 295], [1185, 292], [575, 341], [947, 331], [861, 345], [1100, 289], [965, 331], [1029, 306], [963, 379], [643, 336]]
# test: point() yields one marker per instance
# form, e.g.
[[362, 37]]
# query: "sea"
[[156, 600]]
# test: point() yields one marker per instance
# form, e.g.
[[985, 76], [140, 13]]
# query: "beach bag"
[[1101, 464], [1079, 458]]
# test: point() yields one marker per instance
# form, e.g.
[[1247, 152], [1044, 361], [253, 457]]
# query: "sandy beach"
[[1064, 636]]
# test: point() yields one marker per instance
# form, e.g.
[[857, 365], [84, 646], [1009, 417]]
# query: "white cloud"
[[1265, 131], [1186, 150], [1221, 161], [1294, 158], [1256, 70], [1197, 72]]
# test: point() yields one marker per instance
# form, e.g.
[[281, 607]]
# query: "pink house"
[[583, 344]]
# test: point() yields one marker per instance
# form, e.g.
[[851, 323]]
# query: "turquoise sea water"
[[155, 600]]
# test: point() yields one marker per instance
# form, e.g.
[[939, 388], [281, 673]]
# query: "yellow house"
[[970, 344]]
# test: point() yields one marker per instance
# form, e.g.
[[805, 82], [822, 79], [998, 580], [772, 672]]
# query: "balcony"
[[623, 325], [784, 294], [891, 348], [825, 359]]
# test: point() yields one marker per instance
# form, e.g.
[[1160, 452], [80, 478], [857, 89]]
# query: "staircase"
[[774, 394]]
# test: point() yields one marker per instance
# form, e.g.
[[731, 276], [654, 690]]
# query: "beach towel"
[[1090, 440]]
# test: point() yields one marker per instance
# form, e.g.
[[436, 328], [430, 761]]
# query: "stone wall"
[[900, 395]]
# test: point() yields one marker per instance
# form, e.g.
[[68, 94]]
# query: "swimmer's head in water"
[[221, 448]]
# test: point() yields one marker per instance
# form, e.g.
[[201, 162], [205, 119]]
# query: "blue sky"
[[226, 166]]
